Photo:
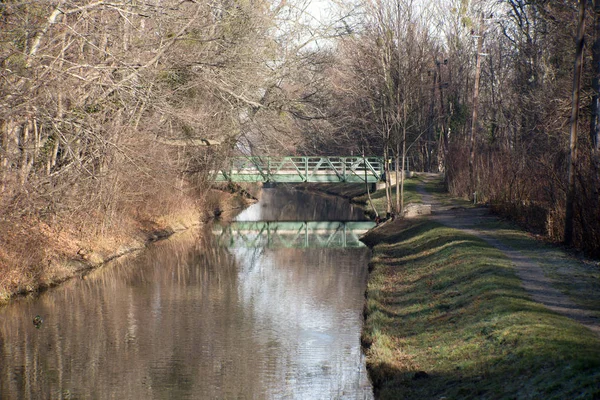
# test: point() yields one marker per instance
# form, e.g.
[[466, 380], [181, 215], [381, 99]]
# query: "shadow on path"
[[537, 284]]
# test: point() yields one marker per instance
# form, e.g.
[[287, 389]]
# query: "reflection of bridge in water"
[[311, 234]]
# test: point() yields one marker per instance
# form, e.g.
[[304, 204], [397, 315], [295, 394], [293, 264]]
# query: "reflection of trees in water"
[[329, 275], [285, 203], [157, 326], [186, 318], [310, 301]]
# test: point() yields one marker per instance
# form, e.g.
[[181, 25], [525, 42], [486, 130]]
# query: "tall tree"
[[472, 138], [595, 105], [577, 70]]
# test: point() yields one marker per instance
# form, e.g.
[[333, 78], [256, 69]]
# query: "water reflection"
[[308, 303], [188, 319], [286, 204], [300, 234], [136, 329]]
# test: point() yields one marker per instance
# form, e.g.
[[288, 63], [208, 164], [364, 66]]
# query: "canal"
[[270, 308]]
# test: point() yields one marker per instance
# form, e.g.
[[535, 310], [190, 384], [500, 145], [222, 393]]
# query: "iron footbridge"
[[293, 169], [311, 234]]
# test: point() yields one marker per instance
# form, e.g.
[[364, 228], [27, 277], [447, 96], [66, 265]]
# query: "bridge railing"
[[303, 169]]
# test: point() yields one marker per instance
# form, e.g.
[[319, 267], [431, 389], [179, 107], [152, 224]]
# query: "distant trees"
[[523, 168], [380, 84], [503, 134], [93, 94], [105, 108]]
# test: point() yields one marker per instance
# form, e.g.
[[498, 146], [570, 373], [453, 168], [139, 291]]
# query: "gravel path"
[[534, 280]]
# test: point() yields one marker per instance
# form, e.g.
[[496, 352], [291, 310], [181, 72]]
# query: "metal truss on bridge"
[[302, 169], [312, 234]]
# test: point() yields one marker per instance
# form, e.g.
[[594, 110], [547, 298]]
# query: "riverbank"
[[447, 316], [37, 253]]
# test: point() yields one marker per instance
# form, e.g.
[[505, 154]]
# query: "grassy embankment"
[[357, 193], [446, 317], [379, 200], [38, 253], [575, 276]]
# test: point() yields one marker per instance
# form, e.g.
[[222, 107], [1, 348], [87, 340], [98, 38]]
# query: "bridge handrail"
[[354, 163], [306, 166]]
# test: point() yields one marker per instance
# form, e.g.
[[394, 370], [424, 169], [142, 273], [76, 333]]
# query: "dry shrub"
[[30, 253], [587, 205], [530, 189], [142, 188], [532, 216], [22, 256], [457, 173], [145, 191]]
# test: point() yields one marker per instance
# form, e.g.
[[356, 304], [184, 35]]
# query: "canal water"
[[189, 318]]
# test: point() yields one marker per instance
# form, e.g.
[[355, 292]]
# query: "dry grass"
[[379, 199], [38, 252]]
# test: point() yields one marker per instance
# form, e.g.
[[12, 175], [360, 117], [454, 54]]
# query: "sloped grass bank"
[[446, 317], [573, 274], [379, 200]]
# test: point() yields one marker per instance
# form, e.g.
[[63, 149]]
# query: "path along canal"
[[191, 319]]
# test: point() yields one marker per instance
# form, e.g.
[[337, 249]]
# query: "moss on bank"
[[446, 317]]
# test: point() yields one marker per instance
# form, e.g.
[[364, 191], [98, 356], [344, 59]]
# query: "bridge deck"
[[302, 169]]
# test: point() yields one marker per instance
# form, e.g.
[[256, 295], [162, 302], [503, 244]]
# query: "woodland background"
[[103, 105]]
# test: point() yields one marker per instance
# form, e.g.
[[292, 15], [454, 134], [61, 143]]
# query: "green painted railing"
[[302, 169], [312, 234]]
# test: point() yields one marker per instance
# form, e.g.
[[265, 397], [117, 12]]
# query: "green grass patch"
[[379, 201], [447, 304], [437, 189], [577, 277], [574, 276]]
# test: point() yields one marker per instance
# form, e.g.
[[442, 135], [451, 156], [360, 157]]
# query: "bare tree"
[[595, 105], [569, 212], [474, 121]]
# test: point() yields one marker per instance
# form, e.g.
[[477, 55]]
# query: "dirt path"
[[539, 286]]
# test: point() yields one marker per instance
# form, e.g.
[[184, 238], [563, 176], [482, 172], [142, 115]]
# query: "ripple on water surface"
[[186, 319]]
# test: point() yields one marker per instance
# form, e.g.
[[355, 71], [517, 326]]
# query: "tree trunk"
[[570, 206], [595, 105], [386, 168], [403, 161], [367, 185], [430, 125], [473, 186], [3, 153], [444, 116], [397, 172], [23, 159], [52, 19]]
